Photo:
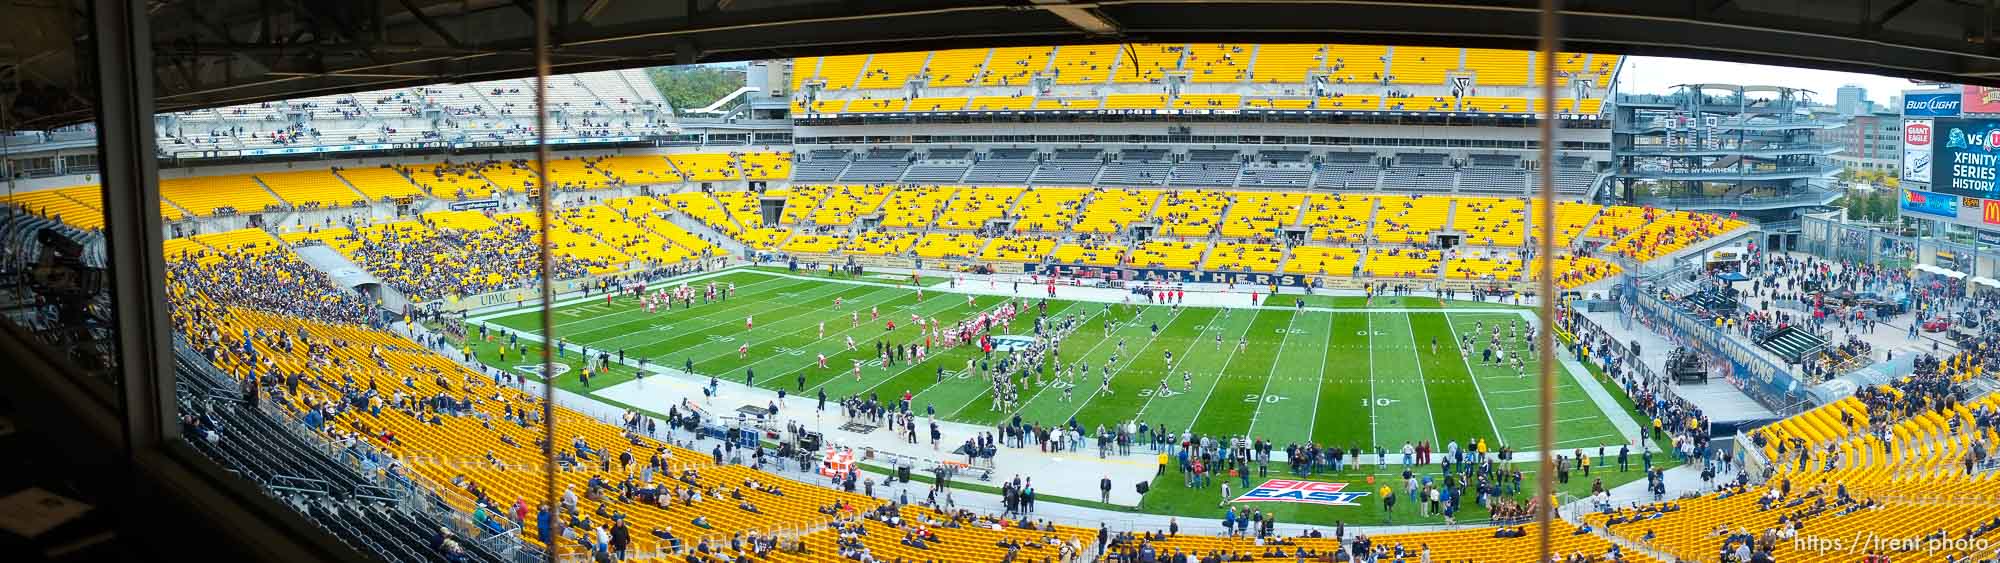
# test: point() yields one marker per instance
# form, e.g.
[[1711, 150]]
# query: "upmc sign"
[[1941, 104]]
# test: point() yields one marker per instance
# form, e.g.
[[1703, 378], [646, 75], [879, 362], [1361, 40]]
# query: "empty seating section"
[[812, 244], [1410, 219], [1003, 167], [311, 188], [1491, 174], [822, 166], [1420, 173], [949, 245], [1208, 101], [1490, 221], [877, 165], [1048, 210], [801, 202], [880, 243], [765, 238], [1422, 65], [1495, 104], [705, 167], [1482, 265], [1018, 249], [204, 196], [1146, 62], [1167, 254], [1322, 261], [75, 206], [936, 104], [1357, 64], [1498, 67], [803, 69], [1353, 102], [1571, 218], [975, 206], [868, 105], [843, 204], [955, 67], [1287, 63], [448, 181], [1135, 101], [341, 239], [1259, 214], [892, 70], [1016, 66], [1088, 254], [1077, 104], [378, 183], [1000, 103], [1278, 103], [1072, 167], [1193, 213], [1338, 217], [1206, 167], [841, 71], [639, 170], [1348, 171], [745, 207], [1084, 64], [1110, 211], [1245, 257], [1419, 103], [703, 207], [247, 241], [915, 207], [1216, 63], [765, 165], [1402, 263]]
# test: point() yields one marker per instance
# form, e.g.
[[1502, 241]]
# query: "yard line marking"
[[1129, 362], [1079, 377], [1275, 362], [1080, 323], [1465, 356], [952, 304], [1598, 438], [619, 309], [1558, 422], [1423, 383], [1374, 438], [1568, 402], [1213, 323], [1225, 365]]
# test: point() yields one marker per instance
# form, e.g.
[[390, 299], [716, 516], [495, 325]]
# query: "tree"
[[697, 86]]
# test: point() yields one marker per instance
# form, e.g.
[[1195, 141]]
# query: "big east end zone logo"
[[1308, 492]]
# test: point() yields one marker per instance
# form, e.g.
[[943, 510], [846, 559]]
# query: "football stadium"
[[994, 299]]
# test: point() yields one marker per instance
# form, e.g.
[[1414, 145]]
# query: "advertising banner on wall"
[[1936, 104], [1965, 157], [1917, 150], [1981, 99], [1943, 205]]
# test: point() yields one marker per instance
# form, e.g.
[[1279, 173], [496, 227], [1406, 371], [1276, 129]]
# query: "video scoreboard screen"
[[1965, 157]]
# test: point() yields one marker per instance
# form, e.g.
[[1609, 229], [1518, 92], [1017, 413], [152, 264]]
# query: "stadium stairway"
[[701, 229]]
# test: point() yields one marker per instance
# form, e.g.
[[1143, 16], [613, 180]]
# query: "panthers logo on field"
[[1011, 342], [536, 369]]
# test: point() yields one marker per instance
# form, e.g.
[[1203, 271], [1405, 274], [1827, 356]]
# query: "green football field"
[[1341, 373]]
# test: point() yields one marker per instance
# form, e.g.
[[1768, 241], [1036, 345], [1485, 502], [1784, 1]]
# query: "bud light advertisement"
[[1941, 104], [1965, 157]]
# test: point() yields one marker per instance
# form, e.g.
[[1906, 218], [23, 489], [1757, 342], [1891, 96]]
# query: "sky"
[[1656, 75]]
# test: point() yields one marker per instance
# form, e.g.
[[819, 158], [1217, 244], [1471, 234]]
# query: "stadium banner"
[[1980, 99], [1303, 492], [1988, 238], [1917, 150], [1928, 203], [1763, 380], [489, 203], [1248, 279], [1967, 161], [1935, 104]]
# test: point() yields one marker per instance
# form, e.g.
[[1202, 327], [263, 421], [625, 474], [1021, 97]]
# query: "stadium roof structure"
[[1741, 87], [215, 52], [208, 53]]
